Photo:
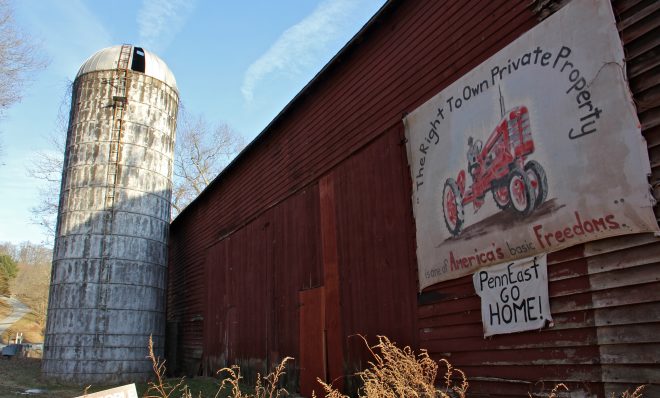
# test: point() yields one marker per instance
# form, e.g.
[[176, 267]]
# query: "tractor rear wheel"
[[452, 207], [539, 181], [521, 192]]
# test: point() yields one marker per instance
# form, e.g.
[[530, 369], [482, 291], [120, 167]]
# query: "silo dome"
[[140, 60], [107, 293]]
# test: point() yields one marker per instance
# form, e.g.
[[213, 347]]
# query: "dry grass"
[[31, 288], [635, 394], [555, 391], [29, 326], [394, 372], [397, 372], [5, 309], [230, 386], [161, 387], [265, 387]]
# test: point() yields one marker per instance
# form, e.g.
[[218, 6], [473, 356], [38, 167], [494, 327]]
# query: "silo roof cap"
[[108, 59]]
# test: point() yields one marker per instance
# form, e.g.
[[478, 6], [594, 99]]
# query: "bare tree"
[[46, 167], [32, 280], [19, 58], [201, 153], [34, 254]]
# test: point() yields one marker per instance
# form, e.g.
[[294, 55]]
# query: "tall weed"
[[397, 372], [393, 373]]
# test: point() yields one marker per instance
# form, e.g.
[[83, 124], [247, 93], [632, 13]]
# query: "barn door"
[[312, 340]]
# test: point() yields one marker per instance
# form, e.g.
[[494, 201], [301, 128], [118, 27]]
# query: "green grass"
[[20, 374], [198, 386]]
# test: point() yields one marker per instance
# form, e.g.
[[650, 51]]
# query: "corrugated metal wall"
[[377, 269], [396, 64], [605, 295], [604, 301], [253, 280], [630, 333], [331, 172]]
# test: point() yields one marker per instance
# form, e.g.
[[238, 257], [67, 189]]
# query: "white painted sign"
[[537, 149], [514, 296], [127, 391]]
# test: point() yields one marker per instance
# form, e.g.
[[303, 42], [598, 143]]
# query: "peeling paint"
[[108, 282]]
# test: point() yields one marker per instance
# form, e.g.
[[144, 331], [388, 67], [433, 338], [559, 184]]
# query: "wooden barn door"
[[312, 340]]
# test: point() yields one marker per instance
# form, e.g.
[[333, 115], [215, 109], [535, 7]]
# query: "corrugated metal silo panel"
[[109, 266]]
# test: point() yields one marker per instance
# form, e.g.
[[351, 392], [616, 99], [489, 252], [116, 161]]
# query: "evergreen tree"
[[8, 271]]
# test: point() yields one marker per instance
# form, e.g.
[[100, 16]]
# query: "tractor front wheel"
[[539, 181], [501, 197], [452, 207], [521, 192]]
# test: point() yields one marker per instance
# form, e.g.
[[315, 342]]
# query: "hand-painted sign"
[[537, 149], [514, 296], [127, 391]]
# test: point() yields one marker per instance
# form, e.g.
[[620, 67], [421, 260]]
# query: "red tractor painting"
[[501, 167]]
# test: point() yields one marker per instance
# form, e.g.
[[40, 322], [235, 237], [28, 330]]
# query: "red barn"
[[308, 237]]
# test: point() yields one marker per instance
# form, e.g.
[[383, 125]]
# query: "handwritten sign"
[[127, 391], [514, 296], [535, 150]]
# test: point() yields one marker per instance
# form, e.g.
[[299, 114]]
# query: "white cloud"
[[300, 45], [161, 20]]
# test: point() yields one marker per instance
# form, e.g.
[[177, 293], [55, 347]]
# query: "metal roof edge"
[[384, 9]]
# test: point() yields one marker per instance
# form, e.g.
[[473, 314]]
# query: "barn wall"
[[392, 67], [331, 171], [604, 295], [625, 273], [378, 275], [253, 278]]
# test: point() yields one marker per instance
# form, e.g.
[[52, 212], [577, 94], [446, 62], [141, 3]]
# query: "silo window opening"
[[138, 60]]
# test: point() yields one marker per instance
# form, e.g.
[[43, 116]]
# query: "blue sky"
[[235, 62]]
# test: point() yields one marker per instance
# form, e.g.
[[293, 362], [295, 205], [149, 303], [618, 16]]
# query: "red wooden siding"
[[604, 301], [253, 280], [398, 62], [626, 273], [376, 250], [313, 353], [331, 282], [322, 199], [605, 295]]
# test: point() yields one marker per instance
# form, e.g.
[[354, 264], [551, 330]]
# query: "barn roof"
[[320, 76]]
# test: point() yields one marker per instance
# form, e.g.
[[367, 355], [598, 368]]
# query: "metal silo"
[[107, 293]]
